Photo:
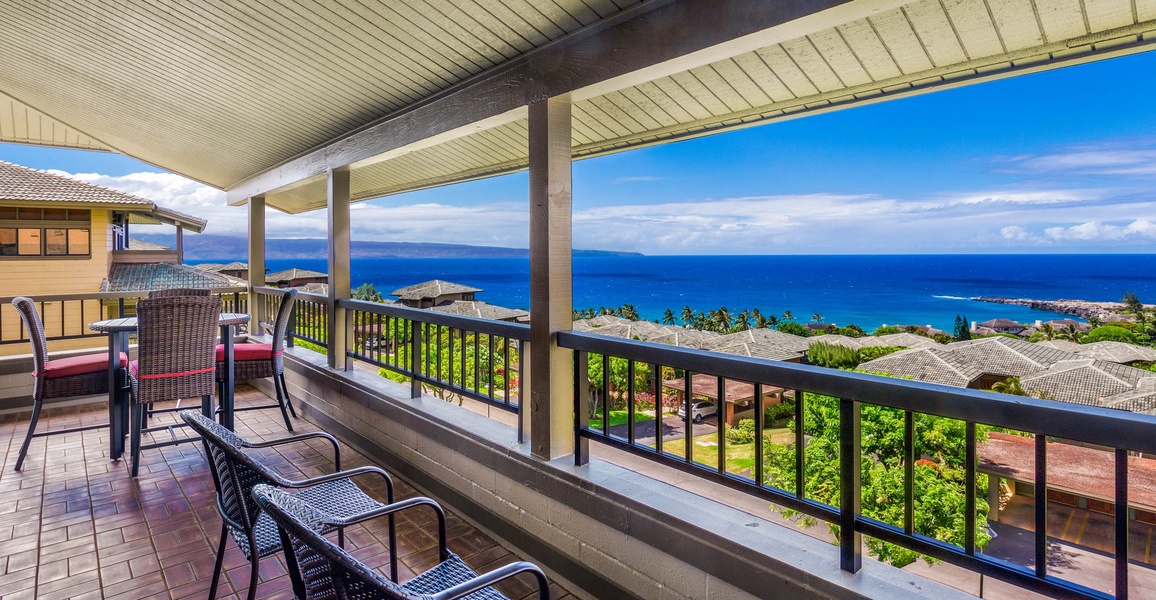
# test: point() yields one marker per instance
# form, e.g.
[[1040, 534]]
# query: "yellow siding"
[[59, 276]]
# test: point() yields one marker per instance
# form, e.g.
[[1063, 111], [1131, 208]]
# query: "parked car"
[[699, 410]]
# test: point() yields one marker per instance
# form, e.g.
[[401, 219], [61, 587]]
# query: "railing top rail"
[[108, 295], [1088, 424], [309, 297], [517, 331], [264, 289]]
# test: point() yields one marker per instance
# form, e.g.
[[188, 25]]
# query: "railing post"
[[256, 260], [582, 416], [416, 361], [850, 464], [551, 281], [337, 337]]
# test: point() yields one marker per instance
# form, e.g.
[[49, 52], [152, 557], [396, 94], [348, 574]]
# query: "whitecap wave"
[[952, 297]]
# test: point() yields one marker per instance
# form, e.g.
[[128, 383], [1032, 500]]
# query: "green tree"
[[619, 381], [1133, 305], [962, 328], [743, 320], [939, 478], [687, 316], [668, 317], [721, 320], [1110, 333], [787, 316], [793, 328], [833, 356], [886, 330], [367, 292], [816, 318]]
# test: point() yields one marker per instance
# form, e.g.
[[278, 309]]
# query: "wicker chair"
[[175, 341], [319, 569], [178, 292], [235, 473], [85, 375], [257, 361]]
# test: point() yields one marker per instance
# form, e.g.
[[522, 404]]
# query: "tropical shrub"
[[832, 356], [778, 412], [743, 434], [886, 330], [868, 353], [793, 328], [1110, 333]]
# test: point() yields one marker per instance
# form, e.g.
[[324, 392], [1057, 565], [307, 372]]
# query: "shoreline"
[[1085, 309]]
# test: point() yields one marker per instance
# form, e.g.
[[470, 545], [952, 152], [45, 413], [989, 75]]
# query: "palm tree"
[[816, 318], [787, 316], [628, 312], [722, 320], [1070, 333], [743, 320], [1011, 385], [668, 317], [1047, 331], [687, 316]]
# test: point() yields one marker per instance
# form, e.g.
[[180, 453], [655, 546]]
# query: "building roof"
[[1001, 324], [147, 246], [707, 386], [141, 277], [291, 274], [756, 349], [933, 365], [219, 267], [1141, 399], [1117, 352], [684, 337], [318, 288], [24, 185], [1084, 381], [1006, 356], [432, 289], [838, 340], [1065, 345], [900, 340], [762, 337], [481, 310], [1088, 472]]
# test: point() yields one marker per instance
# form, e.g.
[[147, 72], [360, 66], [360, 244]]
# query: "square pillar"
[[256, 260], [551, 369], [337, 192]]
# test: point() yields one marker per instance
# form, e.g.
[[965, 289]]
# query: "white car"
[[700, 409]]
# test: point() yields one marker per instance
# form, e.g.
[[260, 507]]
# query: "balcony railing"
[[850, 393], [66, 316]]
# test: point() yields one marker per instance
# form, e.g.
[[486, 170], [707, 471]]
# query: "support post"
[[180, 245], [551, 368], [256, 260], [337, 325]]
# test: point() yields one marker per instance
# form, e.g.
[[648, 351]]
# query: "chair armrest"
[[297, 438], [348, 474], [399, 506], [484, 581]]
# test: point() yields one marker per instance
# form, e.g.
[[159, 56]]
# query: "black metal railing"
[[468, 357], [623, 385], [310, 321], [66, 316]]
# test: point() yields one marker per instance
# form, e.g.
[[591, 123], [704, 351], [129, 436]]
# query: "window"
[[56, 232]]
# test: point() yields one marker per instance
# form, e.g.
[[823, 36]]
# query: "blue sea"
[[865, 290]]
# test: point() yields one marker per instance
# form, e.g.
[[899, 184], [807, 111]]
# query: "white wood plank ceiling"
[[223, 92]]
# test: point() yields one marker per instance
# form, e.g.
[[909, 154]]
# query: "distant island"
[[205, 247]]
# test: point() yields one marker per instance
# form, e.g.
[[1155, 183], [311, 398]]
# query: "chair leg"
[[28, 438], [207, 406], [139, 414], [288, 399], [220, 562], [254, 563], [281, 402]]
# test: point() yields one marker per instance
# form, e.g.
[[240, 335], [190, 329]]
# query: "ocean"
[[864, 290]]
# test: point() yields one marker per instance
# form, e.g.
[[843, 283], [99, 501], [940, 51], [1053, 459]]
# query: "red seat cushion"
[[246, 352], [79, 365]]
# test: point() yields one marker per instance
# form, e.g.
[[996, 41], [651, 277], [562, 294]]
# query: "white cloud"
[[963, 221], [636, 179], [1135, 159]]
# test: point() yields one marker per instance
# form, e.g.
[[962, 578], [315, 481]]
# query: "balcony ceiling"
[[262, 96]]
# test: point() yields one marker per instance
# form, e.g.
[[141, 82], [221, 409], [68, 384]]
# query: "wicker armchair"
[[85, 375], [178, 292], [319, 569], [257, 361], [235, 473], [175, 341]]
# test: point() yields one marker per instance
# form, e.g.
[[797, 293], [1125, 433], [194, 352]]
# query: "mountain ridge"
[[225, 248]]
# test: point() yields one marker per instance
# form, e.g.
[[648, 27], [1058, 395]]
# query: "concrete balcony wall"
[[610, 532]]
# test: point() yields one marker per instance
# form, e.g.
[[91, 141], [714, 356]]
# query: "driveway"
[[673, 428]]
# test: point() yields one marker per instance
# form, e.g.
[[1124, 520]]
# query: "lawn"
[[621, 417], [740, 457]]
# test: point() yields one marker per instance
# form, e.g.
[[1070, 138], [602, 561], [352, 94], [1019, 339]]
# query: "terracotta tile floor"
[[74, 525]]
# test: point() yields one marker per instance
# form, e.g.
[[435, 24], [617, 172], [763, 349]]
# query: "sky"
[[1057, 162]]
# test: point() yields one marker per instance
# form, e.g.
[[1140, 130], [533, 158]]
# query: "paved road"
[[673, 428]]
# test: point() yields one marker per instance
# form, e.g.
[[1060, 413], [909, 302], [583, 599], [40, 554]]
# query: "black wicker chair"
[[320, 569], [178, 292], [257, 361], [235, 473], [175, 341], [76, 376]]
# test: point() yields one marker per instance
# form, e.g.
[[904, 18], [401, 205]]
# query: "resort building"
[[433, 293], [481, 310], [1003, 326], [301, 106], [235, 269], [291, 278]]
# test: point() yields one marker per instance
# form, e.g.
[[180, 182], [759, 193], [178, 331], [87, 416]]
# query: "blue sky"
[[1058, 162]]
